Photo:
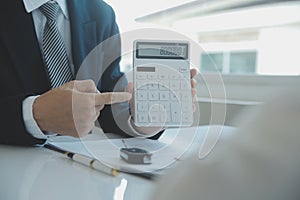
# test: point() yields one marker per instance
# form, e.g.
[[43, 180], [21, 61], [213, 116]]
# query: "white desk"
[[30, 173]]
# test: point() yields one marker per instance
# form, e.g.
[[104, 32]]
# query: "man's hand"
[[73, 108], [153, 130]]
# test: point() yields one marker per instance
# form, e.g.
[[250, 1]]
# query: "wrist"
[[38, 110]]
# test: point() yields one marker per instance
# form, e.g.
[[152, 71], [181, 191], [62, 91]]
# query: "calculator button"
[[163, 76], [184, 84], [183, 69], [153, 95], [153, 86], [152, 76], [141, 76], [154, 117], [142, 95], [164, 95], [186, 107], [163, 85], [186, 96], [174, 96], [175, 112], [176, 106], [174, 85], [143, 117], [140, 85], [165, 106], [175, 116], [142, 106], [154, 106], [174, 76]]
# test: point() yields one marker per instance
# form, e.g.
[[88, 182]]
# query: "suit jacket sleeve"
[[113, 118], [13, 130], [96, 52]]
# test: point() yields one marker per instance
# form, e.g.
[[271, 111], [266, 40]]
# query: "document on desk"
[[165, 151]]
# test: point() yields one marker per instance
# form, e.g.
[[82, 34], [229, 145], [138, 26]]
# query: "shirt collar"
[[31, 5]]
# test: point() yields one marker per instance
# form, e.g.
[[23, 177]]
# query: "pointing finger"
[[111, 98]]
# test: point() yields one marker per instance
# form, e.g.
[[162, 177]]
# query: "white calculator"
[[162, 94]]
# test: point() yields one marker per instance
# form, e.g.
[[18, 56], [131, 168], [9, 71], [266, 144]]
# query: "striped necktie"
[[55, 55]]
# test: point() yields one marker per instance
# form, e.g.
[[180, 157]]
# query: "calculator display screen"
[[157, 50], [145, 69]]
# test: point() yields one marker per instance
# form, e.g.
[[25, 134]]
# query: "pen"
[[97, 165], [85, 160]]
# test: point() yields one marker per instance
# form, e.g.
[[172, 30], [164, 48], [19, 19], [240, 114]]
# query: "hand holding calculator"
[[162, 95]]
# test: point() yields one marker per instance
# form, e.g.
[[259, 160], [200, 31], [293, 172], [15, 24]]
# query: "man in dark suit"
[[30, 107]]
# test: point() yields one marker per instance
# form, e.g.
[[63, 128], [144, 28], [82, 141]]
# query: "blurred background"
[[253, 44], [240, 36]]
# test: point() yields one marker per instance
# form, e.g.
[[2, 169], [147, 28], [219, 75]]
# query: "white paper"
[[170, 148]]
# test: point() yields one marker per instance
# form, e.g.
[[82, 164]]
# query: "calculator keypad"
[[163, 99]]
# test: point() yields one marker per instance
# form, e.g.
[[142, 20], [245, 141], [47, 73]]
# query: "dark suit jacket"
[[22, 72]]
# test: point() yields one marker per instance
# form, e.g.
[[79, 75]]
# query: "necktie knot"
[[50, 10]]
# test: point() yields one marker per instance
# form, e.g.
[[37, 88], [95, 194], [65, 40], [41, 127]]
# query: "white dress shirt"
[[63, 22]]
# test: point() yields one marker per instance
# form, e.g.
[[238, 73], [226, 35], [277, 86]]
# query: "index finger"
[[111, 98]]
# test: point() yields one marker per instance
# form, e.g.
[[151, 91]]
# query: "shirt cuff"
[[30, 123]]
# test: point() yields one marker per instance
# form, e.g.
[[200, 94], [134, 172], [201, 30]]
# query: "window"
[[211, 62], [254, 44], [242, 62], [229, 62]]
